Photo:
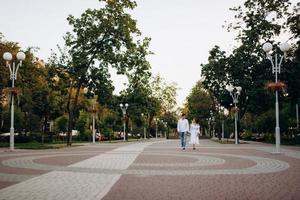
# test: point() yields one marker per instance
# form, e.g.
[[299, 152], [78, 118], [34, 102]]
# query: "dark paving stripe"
[[4, 184]]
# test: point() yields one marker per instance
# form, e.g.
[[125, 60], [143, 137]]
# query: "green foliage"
[[107, 132], [103, 38], [83, 126], [256, 22], [165, 93], [61, 124], [100, 38], [19, 120], [199, 103]]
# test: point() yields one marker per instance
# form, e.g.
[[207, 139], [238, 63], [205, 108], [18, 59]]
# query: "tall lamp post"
[[144, 122], [297, 116], [156, 128], [166, 129], [13, 70], [124, 108], [209, 123], [163, 126], [94, 111], [235, 93], [222, 123], [276, 64], [212, 123]]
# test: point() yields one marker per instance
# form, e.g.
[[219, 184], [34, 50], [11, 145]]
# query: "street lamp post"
[[163, 125], [13, 70], [124, 108], [213, 127], [222, 130], [208, 122], [166, 128], [94, 111], [156, 128], [222, 116], [297, 116], [284, 47], [143, 117], [235, 93], [212, 124]]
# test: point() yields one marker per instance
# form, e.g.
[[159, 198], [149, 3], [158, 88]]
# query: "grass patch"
[[228, 141], [119, 141], [37, 145]]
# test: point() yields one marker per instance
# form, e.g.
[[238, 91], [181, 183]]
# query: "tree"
[[256, 22], [101, 38], [165, 93], [199, 103], [245, 66], [61, 124]]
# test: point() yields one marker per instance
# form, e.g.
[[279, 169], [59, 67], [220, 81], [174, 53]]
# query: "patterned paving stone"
[[118, 171], [118, 163], [65, 185], [201, 160], [61, 186]]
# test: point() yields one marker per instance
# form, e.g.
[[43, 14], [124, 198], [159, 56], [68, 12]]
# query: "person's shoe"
[[194, 148], [183, 148]]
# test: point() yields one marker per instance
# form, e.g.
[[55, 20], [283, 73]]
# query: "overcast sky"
[[182, 31]]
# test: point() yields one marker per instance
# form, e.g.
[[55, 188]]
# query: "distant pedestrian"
[[182, 129], [195, 132]]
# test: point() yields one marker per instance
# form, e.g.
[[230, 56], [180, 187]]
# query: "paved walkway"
[[155, 169]]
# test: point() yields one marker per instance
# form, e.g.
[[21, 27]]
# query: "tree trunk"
[[69, 133], [72, 113], [45, 128]]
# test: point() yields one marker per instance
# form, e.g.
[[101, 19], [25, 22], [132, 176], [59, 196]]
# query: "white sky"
[[182, 31]]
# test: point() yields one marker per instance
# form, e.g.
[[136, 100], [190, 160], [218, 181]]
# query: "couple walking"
[[183, 128]]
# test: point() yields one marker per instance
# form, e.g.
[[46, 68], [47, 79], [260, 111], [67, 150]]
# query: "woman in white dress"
[[195, 132]]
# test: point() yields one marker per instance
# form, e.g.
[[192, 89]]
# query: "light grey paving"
[[61, 186], [93, 178], [120, 158], [69, 185], [284, 151]]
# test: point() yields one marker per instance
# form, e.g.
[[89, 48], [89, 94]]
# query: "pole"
[[12, 130], [277, 128], [156, 131], [235, 125], [222, 130], [209, 128], [297, 116], [124, 129], [166, 131], [213, 130], [94, 131]]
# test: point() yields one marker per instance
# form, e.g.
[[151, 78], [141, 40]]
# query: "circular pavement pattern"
[[263, 165], [200, 160]]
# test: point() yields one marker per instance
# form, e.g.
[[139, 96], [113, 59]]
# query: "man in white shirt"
[[182, 129]]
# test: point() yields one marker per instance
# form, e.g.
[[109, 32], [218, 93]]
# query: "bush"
[[61, 124], [247, 135], [269, 137], [107, 133]]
